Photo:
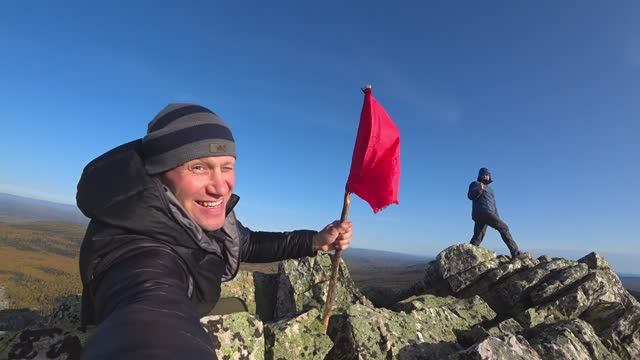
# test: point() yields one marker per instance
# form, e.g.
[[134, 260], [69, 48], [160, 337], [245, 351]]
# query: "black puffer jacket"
[[484, 200], [148, 270]]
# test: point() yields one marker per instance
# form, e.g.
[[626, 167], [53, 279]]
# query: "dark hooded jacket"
[[135, 217], [484, 201]]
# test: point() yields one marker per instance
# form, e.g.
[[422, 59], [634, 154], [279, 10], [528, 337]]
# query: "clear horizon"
[[545, 95]]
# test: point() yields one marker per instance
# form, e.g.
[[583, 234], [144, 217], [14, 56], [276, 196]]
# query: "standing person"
[[485, 212], [163, 236]]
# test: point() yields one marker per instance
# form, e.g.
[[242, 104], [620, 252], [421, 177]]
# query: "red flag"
[[375, 166]]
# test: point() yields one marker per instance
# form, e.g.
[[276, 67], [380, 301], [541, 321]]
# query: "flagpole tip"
[[367, 86], [366, 89]]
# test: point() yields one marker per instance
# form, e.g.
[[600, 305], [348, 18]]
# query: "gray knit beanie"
[[183, 132]]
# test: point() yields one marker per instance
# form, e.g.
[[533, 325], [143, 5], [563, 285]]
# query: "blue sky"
[[545, 94]]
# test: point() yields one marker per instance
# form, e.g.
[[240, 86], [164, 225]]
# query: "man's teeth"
[[210, 204]]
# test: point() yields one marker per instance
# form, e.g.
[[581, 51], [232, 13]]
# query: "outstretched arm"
[[261, 246]]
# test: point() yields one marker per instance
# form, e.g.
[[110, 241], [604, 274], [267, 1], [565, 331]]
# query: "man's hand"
[[481, 186], [336, 235]]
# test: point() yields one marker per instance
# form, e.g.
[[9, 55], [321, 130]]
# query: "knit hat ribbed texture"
[[184, 132]]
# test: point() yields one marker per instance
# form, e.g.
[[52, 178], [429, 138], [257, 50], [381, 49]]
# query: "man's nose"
[[217, 184]]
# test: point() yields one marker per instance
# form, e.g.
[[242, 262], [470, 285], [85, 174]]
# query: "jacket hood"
[[484, 171], [116, 190]]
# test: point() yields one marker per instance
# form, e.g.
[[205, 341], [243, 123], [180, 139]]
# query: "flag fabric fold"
[[375, 165]]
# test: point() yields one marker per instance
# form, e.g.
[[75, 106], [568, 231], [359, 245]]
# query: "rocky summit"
[[471, 304]]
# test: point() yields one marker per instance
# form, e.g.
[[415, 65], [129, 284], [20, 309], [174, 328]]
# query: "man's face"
[[486, 177], [203, 187]]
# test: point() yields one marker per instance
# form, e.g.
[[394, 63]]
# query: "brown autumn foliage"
[[59, 238], [39, 262]]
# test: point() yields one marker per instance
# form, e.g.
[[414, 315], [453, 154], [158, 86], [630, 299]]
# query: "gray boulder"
[[303, 284], [543, 294], [512, 347], [235, 336], [56, 336], [570, 340], [301, 337], [423, 327], [256, 290], [42, 343]]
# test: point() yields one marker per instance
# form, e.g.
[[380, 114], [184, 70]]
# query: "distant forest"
[[39, 262]]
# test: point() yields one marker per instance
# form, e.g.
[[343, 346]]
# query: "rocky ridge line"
[[471, 304]]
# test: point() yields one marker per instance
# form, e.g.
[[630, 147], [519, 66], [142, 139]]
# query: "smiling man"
[[163, 236]]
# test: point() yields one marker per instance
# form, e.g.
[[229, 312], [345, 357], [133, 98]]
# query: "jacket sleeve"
[[264, 246], [474, 190]]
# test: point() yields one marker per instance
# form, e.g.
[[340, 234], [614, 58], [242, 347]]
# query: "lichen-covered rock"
[[607, 299], [503, 271], [424, 327], [598, 298], [432, 283], [594, 261], [478, 334], [506, 327], [241, 287], [463, 279], [468, 312], [465, 270], [508, 298], [301, 337], [623, 333], [461, 257], [43, 343], [539, 293], [366, 333], [303, 284], [235, 336], [66, 312], [534, 316], [38, 337], [573, 339], [18, 319], [453, 269], [557, 282], [512, 347], [4, 302], [257, 290]]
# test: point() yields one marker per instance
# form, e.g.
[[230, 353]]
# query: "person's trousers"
[[480, 228]]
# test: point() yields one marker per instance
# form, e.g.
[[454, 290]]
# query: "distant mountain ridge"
[[24, 208]]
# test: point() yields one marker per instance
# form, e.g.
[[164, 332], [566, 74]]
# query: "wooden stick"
[[335, 265]]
